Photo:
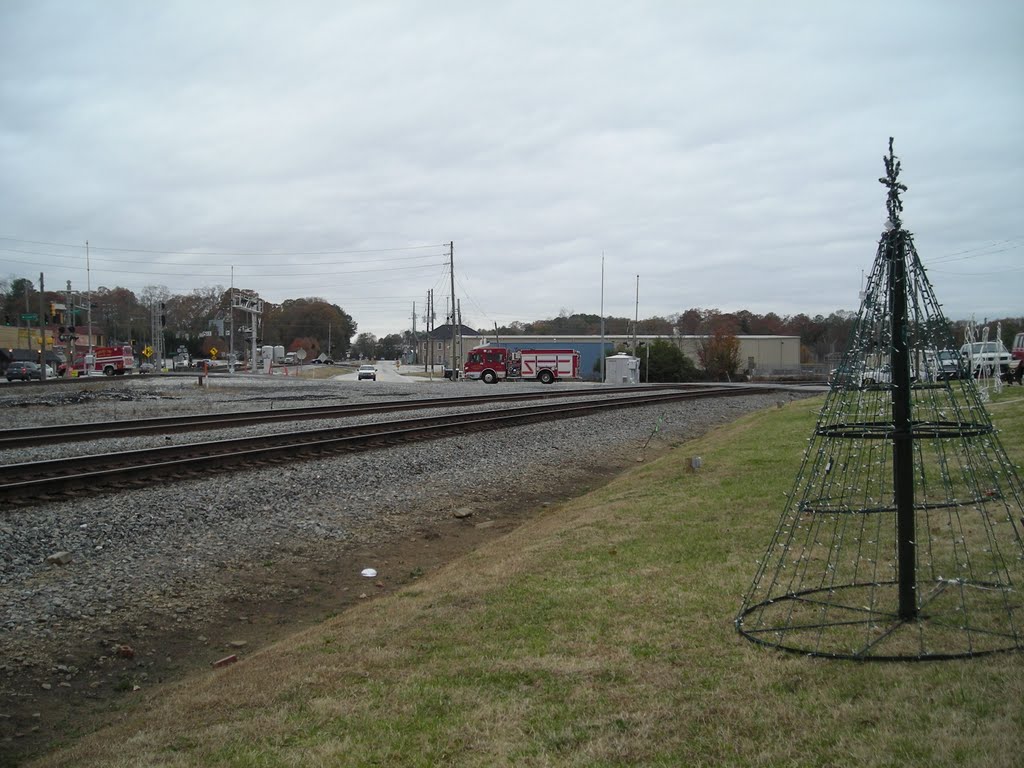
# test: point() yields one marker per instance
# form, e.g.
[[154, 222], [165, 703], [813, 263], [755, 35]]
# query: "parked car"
[[986, 357], [883, 375], [367, 372], [146, 368], [24, 371], [880, 375], [838, 377], [950, 365]]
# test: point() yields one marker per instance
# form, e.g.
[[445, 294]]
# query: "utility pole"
[[42, 330], [153, 324], [449, 320], [70, 329], [28, 322], [88, 295], [637, 318], [231, 322], [451, 271], [603, 353], [460, 330], [415, 338], [430, 331]]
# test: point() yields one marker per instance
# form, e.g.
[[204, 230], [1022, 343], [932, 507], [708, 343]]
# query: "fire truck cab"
[[492, 364]]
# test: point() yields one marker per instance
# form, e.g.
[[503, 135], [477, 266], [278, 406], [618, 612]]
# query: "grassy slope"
[[598, 635]]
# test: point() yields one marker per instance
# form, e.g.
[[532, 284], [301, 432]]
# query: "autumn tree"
[[366, 346], [189, 314], [152, 295], [20, 297], [118, 311], [390, 347], [314, 319], [689, 322], [719, 354]]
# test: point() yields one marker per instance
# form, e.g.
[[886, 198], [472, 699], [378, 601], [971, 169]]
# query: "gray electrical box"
[[622, 369]]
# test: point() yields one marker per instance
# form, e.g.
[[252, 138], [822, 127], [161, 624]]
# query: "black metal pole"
[[902, 437]]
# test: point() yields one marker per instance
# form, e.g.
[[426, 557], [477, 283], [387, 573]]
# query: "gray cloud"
[[727, 153]]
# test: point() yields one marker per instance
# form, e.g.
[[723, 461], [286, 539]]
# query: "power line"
[[77, 257], [245, 273], [333, 252], [974, 253], [189, 270], [1006, 271], [472, 301]]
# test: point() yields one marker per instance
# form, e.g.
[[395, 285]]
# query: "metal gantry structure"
[[902, 537]]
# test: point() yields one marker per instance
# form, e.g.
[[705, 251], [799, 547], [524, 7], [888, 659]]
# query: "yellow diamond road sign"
[[148, 351], [213, 351]]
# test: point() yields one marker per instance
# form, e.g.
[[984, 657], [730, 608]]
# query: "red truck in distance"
[[108, 361], [492, 364]]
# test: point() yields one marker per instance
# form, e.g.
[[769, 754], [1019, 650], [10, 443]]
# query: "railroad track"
[[54, 433], [40, 481]]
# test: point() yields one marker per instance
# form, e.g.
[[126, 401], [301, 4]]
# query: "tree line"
[[201, 319], [822, 338], [197, 321]]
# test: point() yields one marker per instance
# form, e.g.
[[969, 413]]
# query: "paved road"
[[386, 371]]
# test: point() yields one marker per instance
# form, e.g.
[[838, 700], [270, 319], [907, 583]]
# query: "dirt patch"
[[260, 601]]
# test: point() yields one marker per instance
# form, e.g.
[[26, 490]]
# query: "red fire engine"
[[108, 361], [545, 365]]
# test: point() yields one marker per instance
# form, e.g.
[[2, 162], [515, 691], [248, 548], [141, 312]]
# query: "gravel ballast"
[[154, 551]]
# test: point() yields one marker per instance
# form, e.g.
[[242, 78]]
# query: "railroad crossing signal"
[[213, 351], [147, 351]]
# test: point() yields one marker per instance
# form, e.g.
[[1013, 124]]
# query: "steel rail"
[[37, 481], [94, 430]]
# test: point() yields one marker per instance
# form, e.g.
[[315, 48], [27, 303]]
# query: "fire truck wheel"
[[108, 371], [489, 377], [545, 377]]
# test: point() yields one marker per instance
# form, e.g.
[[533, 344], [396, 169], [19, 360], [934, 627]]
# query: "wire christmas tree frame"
[[901, 539]]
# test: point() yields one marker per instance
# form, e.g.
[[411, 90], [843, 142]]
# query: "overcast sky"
[[728, 153]]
